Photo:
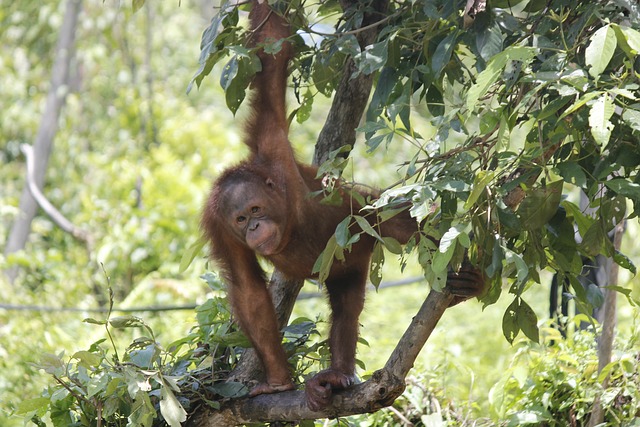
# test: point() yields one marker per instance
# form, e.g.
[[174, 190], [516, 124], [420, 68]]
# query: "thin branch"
[[53, 213]]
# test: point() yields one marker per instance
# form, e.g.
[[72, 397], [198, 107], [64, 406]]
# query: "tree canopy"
[[507, 109]]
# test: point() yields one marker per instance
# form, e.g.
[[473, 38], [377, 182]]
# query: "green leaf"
[[171, 410], [392, 245], [623, 261], [493, 72], [190, 253], [142, 412], [528, 321], [120, 322], [136, 5], [377, 261], [435, 101], [304, 111], [51, 364], [449, 238], [522, 271], [593, 239], [373, 58], [342, 232], [599, 115], [480, 182], [540, 205], [510, 326], [579, 103], [144, 357], [441, 259], [595, 295], [97, 385], [631, 118], [236, 76], [39, 404], [87, 359], [600, 50], [366, 227], [323, 264], [442, 54], [625, 188]]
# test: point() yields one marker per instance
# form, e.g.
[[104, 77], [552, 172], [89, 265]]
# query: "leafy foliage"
[[525, 105], [556, 386], [147, 382]]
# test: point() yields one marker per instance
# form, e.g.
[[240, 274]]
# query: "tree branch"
[[53, 213], [376, 393]]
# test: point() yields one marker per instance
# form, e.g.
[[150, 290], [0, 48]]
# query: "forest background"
[[132, 162]]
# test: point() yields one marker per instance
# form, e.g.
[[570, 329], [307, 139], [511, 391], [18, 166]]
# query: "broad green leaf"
[[94, 321], [489, 41], [142, 411], [442, 54], [39, 404], [441, 259], [595, 295], [625, 188], [528, 321], [323, 264], [600, 50], [540, 205], [435, 101], [52, 364], [126, 322], [342, 232], [392, 245], [87, 359], [582, 221], [572, 173], [449, 238], [97, 385], [628, 40], [593, 239], [171, 410], [373, 58], [304, 111], [144, 357], [599, 115], [632, 118]]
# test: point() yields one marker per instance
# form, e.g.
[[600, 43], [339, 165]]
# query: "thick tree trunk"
[[46, 132]]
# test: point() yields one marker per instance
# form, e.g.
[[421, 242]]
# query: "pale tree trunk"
[[46, 132], [605, 341]]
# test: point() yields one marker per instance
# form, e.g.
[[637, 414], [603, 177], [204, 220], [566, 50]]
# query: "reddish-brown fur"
[[261, 207]]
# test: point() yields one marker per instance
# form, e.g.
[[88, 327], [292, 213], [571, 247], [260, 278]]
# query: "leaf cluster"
[[149, 384]]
